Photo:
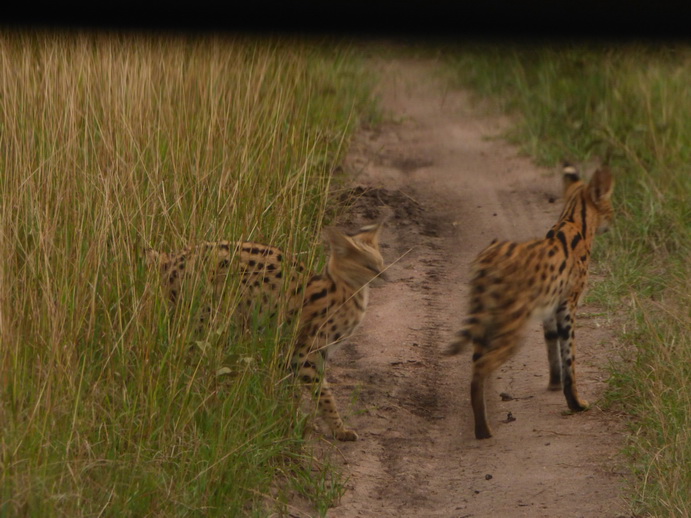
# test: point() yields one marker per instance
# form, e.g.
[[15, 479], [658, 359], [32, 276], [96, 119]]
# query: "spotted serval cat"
[[542, 278], [330, 305]]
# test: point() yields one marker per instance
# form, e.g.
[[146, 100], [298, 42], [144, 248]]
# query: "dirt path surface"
[[452, 190]]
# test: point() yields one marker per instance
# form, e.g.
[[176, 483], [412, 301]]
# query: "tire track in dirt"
[[452, 190]]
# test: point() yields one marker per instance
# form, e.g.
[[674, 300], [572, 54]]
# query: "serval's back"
[[329, 305], [542, 278]]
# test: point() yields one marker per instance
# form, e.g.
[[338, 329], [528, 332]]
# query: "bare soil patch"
[[452, 188]]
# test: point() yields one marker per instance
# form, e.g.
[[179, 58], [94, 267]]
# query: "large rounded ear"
[[339, 243], [155, 259], [601, 185], [570, 175], [369, 234]]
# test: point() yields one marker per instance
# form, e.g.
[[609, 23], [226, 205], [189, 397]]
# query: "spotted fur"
[[329, 306], [542, 278]]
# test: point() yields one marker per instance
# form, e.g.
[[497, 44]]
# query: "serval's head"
[[589, 204], [155, 259], [356, 259]]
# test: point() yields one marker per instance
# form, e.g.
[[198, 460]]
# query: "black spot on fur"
[[477, 356], [507, 304], [562, 237], [318, 295], [225, 263], [551, 335], [565, 332], [575, 241], [550, 234], [517, 314], [562, 266]]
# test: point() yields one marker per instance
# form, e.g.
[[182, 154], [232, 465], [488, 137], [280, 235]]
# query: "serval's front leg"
[[310, 371], [566, 330]]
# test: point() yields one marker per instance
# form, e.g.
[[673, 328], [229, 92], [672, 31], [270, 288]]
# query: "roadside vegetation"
[[111, 143], [630, 105]]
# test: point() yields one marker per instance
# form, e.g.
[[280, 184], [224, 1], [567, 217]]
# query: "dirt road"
[[452, 190]]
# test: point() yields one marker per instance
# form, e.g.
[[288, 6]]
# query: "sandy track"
[[452, 190]]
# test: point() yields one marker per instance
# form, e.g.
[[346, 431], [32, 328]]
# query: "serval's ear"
[[340, 244], [154, 258], [570, 175], [601, 185], [369, 234]]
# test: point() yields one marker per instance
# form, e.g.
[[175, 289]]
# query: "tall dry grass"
[[110, 143]]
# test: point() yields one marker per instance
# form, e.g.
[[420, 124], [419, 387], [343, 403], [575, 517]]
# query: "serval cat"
[[542, 278], [330, 305]]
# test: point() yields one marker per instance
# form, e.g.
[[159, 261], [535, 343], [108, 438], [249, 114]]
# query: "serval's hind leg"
[[487, 357], [553, 355]]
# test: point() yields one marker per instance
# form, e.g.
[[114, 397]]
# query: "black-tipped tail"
[[458, 345]]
